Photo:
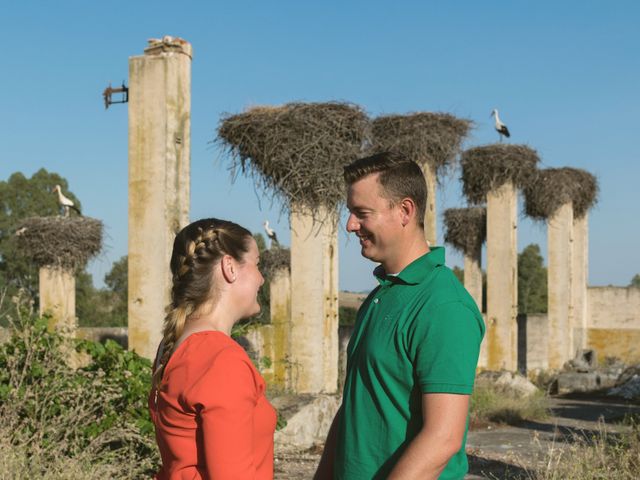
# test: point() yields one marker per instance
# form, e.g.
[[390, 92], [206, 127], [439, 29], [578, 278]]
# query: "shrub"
[[56, 417], [491, 405]]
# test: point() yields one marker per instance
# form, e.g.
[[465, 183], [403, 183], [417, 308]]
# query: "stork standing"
[[501, 128], [64, 202], [271, 234]]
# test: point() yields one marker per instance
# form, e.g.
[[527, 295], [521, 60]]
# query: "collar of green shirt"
[[416, 271]]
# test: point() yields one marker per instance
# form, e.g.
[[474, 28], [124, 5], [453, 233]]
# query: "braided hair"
[[196, 248]]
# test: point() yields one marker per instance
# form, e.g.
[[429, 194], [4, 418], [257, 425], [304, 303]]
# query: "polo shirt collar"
[[416, 271]]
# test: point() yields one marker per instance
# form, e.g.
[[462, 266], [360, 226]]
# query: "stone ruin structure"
[[296, 152], [159, 169], [60, 247]]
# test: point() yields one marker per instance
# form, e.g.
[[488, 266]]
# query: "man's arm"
[[444, 422], [325, 467]]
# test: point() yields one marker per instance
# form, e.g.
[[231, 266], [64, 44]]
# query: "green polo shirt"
[[417, 332]]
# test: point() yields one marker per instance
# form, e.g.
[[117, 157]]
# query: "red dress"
[[211, 416]]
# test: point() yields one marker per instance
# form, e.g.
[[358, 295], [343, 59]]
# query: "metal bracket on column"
[[109, 91]]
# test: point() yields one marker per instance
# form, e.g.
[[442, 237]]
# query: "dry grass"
[[466, 229], [492, 405], [598, 457]]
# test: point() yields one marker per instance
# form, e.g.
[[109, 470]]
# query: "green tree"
[[104, 307], [532, 281], [22, 197], [635, 281]]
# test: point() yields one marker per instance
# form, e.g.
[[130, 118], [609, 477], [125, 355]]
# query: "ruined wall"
[[614, 322]]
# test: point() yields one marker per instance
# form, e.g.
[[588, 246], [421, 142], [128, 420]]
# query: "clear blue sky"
[[565, 76]]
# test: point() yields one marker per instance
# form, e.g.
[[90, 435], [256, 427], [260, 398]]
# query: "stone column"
[[502, 278], [159, 156], [473, 284], [314, 303], [579, 281], [473, 276], [57, 289], [430, 213], [280, 306], [559, 271]]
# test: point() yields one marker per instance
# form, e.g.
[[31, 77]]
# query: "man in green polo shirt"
[[414, 349]]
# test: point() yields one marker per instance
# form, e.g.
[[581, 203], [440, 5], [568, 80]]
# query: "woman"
[[207, 403]]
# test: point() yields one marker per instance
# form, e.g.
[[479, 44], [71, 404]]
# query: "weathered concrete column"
[[57, 290], [159, 153], [579, 282], [559, 271], [314, 303], [280, 307], [473, 276], [502, 278], [430, 213]]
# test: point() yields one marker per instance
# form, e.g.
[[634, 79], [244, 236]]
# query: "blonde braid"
[[195, 249]]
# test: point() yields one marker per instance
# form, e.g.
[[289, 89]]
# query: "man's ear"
[[407, 211], [228, 267]]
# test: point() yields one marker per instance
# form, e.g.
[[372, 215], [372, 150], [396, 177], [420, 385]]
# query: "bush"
[[58, 418], [491, 405]]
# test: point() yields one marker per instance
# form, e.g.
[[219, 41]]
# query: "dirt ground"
[[504, 452]]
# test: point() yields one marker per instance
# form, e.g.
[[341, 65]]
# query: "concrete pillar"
[[159, 152], [559, 271], [430, 214], [314, 303], [473, 284], [57, 289], [579, 281], [473, 276], [502, 278], [280, 306]]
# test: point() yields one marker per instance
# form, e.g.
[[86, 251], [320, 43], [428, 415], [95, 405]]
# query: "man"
[[414, 349]]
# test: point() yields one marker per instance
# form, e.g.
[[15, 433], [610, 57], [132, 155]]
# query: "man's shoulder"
[[444, 288]]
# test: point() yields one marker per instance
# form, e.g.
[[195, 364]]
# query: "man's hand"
[[444, 422]]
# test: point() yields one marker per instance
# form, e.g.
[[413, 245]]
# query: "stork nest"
[[424, 137], [488, 167], [553, 187], [296, 151], [274, 259], [466, 229], [61, 242]]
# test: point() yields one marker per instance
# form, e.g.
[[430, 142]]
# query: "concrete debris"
[[630, 390], [309, 425], [506, 381]]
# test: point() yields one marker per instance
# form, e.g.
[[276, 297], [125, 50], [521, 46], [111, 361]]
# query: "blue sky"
[[565, 76]]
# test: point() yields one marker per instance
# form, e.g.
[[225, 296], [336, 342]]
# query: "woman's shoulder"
[[207, 347]]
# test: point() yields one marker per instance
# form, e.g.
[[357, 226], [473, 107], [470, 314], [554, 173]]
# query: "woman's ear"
[[229, 268]]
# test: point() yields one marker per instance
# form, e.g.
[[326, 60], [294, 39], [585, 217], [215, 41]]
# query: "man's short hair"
[[399, 178]]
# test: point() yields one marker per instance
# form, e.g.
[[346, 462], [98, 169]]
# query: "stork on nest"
[[271, 234], [64, 202], [501, 128]]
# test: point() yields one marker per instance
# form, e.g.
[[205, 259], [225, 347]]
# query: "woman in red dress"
[[208, 402]]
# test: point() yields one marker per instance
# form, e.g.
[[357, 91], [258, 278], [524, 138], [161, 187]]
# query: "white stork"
[[271, 234], [501, 128], [64, 202]]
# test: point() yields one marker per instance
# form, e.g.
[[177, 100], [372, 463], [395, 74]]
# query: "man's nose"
[[352, 223]]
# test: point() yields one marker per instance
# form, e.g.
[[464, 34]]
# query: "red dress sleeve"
[[225, 399]]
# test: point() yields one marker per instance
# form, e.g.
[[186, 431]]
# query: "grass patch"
[[493, 405], [601, 456]]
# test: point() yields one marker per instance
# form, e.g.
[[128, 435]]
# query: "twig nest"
[[60, 242], [275, 259], [424, 137], [488, 167], [553, 187], [466, 229], [297, 151]]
